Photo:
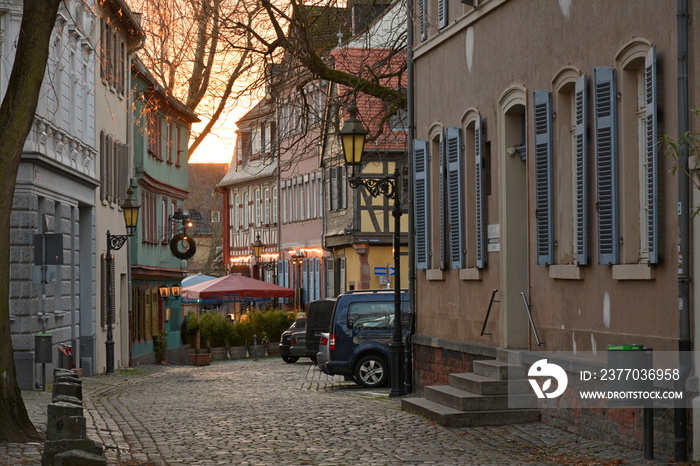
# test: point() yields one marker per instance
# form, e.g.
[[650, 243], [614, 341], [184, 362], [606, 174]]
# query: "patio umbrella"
[[236, 285], [196, 279]]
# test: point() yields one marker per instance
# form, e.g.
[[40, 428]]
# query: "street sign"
[[50, 274], [54, 248], [382, 270]]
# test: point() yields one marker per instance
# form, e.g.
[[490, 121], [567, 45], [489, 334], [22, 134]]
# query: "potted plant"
[[160, 348], [212, 330], [236, 340], [275, 322], [196, 356]]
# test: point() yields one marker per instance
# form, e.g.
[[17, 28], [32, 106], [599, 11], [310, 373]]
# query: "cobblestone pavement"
[[266, 412]]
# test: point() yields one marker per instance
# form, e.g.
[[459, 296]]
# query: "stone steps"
[[496, 393], [450, 417]]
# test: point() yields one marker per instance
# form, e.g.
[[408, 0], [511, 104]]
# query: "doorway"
[[513, 209]]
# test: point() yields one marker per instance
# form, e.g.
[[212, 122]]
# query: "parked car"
[[288, 356], [297, 343], [322, 355], [360, 333], [318, 321]]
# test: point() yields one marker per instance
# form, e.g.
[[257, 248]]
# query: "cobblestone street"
[[266, 412]]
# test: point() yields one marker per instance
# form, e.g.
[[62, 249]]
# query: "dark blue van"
[[360, 333]]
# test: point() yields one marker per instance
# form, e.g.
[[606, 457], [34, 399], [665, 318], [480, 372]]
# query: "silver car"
[[323, 354]]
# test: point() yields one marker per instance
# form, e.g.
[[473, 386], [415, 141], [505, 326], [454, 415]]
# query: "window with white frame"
[[164, 220], [312, 197], [258, 207], [112, 57], [638, 157], [173, 223], [397, 121], [337, 188], [274, 204], [319, 187], [302, 199], [569, 170], [266, 201], [284, 201], [246, 210], [237, 212], [255, 141]]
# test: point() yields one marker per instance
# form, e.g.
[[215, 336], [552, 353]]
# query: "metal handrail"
[[488, 312], [532, 323]]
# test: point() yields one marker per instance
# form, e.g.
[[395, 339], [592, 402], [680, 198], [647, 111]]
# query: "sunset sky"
[[218, 146]]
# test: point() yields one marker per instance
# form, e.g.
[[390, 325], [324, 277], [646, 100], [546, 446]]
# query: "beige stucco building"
[[118, 34], [537, 174]]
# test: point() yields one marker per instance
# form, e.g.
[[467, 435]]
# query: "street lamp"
[[170, 292], [352, 138], [130, 208], [258, 247]]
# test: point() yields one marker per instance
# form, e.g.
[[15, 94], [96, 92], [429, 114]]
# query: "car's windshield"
[[299, 324]]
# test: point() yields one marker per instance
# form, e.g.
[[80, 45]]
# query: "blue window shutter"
[[442, 13], [606, 164], [421, 213], [543, 176], [651, 155], [423, 19], [480, 204], [443, 202], [317, 273], [455, 197], [581, 167], [286, 273], [305, 281]]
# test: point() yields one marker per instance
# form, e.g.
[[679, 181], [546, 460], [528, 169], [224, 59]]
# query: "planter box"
[[237, 352], [200, 359], [273, 348], [219, 353], [256, 351]]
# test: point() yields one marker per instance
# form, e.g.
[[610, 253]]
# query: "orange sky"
[[218, 145]]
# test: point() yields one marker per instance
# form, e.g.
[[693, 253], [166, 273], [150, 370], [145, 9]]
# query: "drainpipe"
[[409, 153], [322, 165], [684, 342]]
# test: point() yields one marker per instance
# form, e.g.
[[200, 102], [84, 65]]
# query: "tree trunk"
[[16, 117]]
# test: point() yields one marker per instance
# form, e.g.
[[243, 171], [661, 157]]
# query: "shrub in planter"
[[235, 341], [213, 329], [244, 331], [234, 336], [275, 323], [160, 347], [192, 328]]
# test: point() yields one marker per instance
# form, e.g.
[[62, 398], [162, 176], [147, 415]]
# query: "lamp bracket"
[[269, 265], [115, 242], [385, 185]]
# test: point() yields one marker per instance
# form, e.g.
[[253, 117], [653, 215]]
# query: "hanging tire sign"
[[182, 246]]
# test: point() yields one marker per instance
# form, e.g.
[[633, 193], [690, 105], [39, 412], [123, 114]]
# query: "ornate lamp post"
[[130, 207], [352, 138], [258, 247]]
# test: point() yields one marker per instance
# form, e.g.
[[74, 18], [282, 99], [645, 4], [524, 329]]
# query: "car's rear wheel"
[[314, 359], [372, 371], [290, 359]]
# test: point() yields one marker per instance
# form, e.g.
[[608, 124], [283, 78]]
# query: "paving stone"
[[267, 412]]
